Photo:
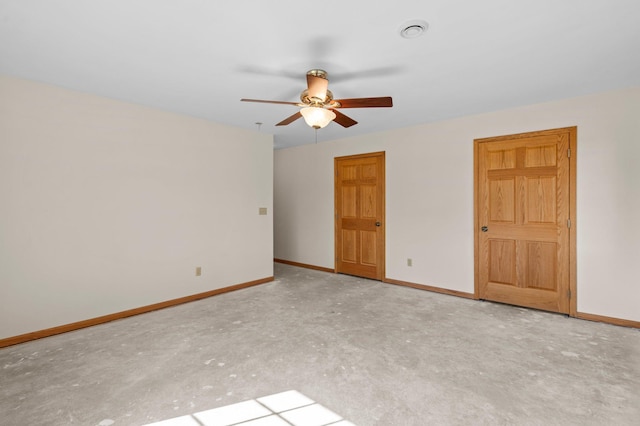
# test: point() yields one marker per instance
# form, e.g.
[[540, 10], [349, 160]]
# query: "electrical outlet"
[[409, 262], [198, 271], [262, 211]]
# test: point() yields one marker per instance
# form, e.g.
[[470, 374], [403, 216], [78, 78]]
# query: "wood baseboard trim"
[[9, 341], [304, 265], [608, 320], [430, 288], [579, 315]]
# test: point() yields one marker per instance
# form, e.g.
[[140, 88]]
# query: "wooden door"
[[524, 206], [359, 215]]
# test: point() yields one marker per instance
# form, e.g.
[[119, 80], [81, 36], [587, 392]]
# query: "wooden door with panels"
[[525, 210], [359, 215]]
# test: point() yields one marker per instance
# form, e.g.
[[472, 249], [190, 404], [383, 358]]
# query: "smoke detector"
[[414, 28]]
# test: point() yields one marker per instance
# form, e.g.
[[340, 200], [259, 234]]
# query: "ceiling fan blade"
[[366, 102], [289, 120], [270, 102], [343, 120], [317, 87]]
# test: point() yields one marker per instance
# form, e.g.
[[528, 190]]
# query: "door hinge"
[[568, 223], [568, 294], [569, 152]]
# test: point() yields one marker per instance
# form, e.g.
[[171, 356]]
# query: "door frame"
[[573, 154], [381, 260]]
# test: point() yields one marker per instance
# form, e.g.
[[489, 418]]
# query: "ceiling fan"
[[318, 106]]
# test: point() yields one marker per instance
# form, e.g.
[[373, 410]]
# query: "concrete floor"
[[375, 353]]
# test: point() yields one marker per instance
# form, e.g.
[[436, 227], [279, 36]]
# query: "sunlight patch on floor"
[[281, 409]]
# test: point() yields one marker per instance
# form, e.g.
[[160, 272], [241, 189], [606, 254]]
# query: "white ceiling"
[[199, 57]]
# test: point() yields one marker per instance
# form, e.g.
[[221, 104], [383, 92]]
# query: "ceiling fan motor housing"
[[312, 101]]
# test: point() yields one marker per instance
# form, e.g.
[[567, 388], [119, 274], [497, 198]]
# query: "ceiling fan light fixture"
[[317, 117]]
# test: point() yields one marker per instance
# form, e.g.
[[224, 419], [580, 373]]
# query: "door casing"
[[572, 153], [379, 274]]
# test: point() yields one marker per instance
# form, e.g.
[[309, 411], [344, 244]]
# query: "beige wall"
[[107, 206], [430, 197]]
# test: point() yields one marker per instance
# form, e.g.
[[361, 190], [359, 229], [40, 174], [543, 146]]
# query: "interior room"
[[163, 212]]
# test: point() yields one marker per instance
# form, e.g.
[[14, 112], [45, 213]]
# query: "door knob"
[[377, 223], [484, 229]]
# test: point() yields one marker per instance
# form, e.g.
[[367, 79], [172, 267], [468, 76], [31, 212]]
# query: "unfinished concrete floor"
[[375, 353]]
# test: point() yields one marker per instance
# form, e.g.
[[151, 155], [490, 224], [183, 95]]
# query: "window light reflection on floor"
[[281, 409]]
